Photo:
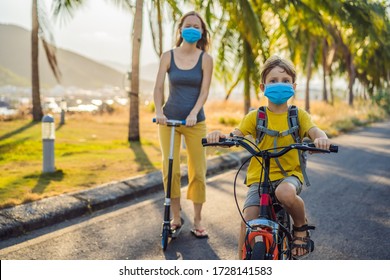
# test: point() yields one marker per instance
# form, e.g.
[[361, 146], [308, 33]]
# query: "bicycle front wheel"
[[258, 251]]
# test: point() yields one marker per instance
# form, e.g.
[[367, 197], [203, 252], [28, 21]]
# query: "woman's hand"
[[191, 120], [161, 119]]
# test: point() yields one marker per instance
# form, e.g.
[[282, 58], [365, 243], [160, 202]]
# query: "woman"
[[190, 69]]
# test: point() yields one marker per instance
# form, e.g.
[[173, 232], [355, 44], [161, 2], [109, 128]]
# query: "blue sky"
[[99, 31]]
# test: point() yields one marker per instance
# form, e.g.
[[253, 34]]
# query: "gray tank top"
[[184, 90]]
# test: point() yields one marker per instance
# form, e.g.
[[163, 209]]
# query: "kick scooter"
[[166, 226]]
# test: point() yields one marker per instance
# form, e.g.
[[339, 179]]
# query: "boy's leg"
[[286, 193], [250, 213]]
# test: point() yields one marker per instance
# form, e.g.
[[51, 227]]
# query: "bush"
[[229, 121], [382, 98]]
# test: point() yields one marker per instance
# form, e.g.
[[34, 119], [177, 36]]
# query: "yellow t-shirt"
[[290, 160]]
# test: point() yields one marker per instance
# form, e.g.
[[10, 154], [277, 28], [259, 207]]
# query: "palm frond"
[[50, 51]]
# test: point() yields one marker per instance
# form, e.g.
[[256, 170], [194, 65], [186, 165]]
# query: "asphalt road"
[[349, 203]]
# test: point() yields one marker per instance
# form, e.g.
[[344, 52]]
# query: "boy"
[[278, 84]]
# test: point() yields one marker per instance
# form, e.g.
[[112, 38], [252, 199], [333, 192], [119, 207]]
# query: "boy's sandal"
[[307, 245]]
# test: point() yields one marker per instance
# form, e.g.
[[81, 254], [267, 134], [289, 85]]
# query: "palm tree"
[[239, 33], [69, 6], [40, 26], [156, 12], [133, 133], [360, 32]]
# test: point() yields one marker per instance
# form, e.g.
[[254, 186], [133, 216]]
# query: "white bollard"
[[48, 136]]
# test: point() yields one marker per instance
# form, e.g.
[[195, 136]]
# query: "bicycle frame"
[[266, 225]]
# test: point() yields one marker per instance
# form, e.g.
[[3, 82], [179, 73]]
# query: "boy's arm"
[[319, 138]]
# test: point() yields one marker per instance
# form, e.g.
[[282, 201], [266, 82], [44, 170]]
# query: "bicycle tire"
[[258, 251], [284, 243], [164, 238]]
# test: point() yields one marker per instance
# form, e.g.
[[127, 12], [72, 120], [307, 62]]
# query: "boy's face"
[[278, 75]]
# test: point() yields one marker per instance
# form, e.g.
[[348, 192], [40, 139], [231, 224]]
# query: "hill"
[[77, 70]]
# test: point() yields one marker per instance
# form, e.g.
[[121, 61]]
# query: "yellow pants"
[[196, 160]]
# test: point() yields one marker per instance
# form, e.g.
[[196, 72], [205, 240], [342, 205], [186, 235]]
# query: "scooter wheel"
[[164, 238]]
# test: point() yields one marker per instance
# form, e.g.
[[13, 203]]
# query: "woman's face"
[[192, 21]]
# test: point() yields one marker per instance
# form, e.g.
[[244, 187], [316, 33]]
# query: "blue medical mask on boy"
[[279, 93], [191, 35]]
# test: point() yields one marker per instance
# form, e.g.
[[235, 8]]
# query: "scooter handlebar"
[[173, 122]]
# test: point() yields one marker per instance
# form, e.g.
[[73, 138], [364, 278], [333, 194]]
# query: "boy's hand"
[[214, 136], [322, 143]]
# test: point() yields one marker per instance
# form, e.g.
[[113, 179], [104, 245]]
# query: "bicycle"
[[270, 235], [166, 225]]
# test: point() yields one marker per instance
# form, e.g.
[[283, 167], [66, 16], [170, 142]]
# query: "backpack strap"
[[261, 125], [293, 123]]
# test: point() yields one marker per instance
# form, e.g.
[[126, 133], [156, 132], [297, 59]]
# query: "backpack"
[[293, 124]]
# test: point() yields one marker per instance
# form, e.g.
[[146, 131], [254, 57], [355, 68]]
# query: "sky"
[[99, 31]]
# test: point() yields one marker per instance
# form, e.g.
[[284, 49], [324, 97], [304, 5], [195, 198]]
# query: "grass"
[[91, 150]]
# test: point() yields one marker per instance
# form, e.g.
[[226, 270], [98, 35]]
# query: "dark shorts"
[[253, 199]]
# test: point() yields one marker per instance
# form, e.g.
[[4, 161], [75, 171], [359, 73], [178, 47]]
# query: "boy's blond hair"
[[275, 61]]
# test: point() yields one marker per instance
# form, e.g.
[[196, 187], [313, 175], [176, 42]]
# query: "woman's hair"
[[275, 61], [203, 42]]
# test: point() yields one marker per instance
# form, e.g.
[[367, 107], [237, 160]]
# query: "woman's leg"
[[196, 169]]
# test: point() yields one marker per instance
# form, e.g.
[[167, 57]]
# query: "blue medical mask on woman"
[[191, 35], [279, 93]]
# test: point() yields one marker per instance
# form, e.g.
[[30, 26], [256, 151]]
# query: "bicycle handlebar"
[[241, 141]]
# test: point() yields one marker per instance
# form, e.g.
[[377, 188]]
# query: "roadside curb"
[[18, 220]]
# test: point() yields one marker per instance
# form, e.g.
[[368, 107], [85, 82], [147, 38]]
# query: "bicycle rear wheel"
[[258, 251]]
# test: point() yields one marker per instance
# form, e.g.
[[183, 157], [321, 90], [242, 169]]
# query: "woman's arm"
[[158, 93], [207, 64]]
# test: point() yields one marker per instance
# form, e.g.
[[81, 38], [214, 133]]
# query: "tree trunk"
[[324, 67], [331, 86], [247, 83], [134, 91], [160, 36], [308, 74], [352, 76], [36, 97], [160, 29], [329, 62]]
